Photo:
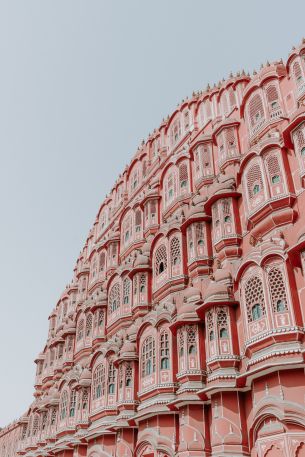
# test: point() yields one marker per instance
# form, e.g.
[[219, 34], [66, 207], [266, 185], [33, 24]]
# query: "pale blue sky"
[[81, 83]]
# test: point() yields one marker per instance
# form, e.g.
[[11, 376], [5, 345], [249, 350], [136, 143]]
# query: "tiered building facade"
[[182, 330]]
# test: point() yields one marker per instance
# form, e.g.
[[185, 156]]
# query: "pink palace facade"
[[182, 330]]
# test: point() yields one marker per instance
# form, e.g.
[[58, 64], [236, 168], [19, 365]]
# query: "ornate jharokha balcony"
[[181, 332]]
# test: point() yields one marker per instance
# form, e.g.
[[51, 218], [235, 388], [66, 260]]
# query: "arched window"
[[100, 319], [160, 260], [164, 350], [127, 229], [299, 141], [126, 291], [199, 227], [80, 330], [72, 403], [85, 397], [186, 119], [64, 405], [53, 417], [170, 187], [89, 324], [256, 111], [222, 322], [114, 298], [297, 72], [210, 325], [183, 176], [148, 356], [111, 378], [102, 261], [254, 298], [175, 250], [232, 97], [191, 338], [35, 425], [128, 375], [272, 97], [175, 132], [254, 181], [277, 290], [142, 284], [273, 169], [99, 382], [138, 220], [230, 142], [224, 103]]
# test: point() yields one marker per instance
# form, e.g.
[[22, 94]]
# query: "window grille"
[[208, 109], [277, 290], [272, 94], [224, 103], [206, 157], [199, 227], [160, 260], [126, 290], [254, 298], [222, 322], [186, 120], [230, 139], [190, 239], [102, 261], [101, 318], [175, 250], [142, 284], [226, 207], [64, 405], [232, 97], [128, 375], [80, 332], [210, 324], [114, 298], [183, 175], [191, 338], [180, 338], [35, 425], [89, 324], [144, 168], [138, 220], [148, 356], [85, 399], [256, 110], [297, 71], [72, 403], [254, 180], [273, 168], [53, 416], [164, 350], [111, 377], [99, 382]]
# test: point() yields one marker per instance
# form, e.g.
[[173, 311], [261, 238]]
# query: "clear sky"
[[81, 83]]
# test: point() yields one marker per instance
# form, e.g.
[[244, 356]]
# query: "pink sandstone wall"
[[182, 330]]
